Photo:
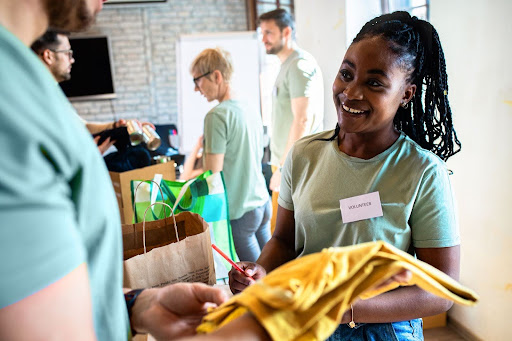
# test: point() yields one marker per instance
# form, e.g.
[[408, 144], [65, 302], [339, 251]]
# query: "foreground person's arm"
[[60, 311]]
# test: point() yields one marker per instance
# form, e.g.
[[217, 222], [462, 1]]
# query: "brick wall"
[[143, 39]]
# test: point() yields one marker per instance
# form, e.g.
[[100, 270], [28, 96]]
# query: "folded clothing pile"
[[305, 299]]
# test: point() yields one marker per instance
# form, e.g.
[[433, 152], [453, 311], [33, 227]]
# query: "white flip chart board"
[[246, 53]]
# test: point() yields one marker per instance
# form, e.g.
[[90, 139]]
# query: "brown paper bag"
[[167, 259]]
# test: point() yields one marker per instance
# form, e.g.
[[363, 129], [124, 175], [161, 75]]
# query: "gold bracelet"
[[352, 324]]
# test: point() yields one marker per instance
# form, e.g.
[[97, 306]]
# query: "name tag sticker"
[[361, 207]]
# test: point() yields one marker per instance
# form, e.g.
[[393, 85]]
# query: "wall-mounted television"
[[91, 74]]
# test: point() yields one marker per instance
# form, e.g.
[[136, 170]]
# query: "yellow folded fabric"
[[305, 299]]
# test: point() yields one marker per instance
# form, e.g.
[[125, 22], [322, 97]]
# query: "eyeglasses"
[[68, 52], [199, 77]]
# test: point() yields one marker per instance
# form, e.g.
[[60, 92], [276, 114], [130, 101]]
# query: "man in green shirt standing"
[[297, 99]]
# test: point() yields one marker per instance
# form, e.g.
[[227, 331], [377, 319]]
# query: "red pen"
[[230, 261]]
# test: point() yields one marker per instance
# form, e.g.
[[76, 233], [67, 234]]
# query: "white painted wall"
[[321, 31], [477, 41], [476, 37], [359, 13]]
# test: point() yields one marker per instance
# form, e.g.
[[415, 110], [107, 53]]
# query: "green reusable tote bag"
[[205, 195]]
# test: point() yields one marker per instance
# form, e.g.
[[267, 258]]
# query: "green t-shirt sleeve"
[[215, 132], [300, 78], [285, 189], [433, 218], [40, 243]]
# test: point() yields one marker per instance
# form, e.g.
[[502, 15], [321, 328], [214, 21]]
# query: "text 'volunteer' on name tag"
[[360, 207]]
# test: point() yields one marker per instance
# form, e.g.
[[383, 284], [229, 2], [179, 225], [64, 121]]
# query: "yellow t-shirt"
[[305, 299]]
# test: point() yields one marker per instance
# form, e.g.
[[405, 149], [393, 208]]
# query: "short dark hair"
[[49, 40], [282, 19]]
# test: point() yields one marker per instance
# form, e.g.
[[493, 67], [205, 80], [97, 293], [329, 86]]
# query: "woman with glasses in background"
[[233, 143]]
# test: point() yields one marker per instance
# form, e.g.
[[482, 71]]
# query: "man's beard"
[[276, 48], [65, 77], [69, 15]]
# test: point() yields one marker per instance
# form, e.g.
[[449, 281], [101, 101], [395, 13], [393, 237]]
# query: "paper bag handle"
[[144, 223], [135, 195]]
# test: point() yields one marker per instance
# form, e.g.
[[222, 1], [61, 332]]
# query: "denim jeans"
[[397, 331], [251, 232]]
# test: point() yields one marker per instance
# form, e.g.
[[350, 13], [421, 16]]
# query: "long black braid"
[[417, 45]]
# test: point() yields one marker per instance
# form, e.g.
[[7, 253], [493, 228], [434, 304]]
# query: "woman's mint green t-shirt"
[[415, 192], [234, 129]]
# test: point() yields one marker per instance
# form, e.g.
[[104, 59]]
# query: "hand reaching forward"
[[238, 282], [105, 145], [175, 310]]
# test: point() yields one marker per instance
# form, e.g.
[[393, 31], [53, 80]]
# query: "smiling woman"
[[386, 143], [368, 91]]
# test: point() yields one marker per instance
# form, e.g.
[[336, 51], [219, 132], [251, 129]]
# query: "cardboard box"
[[121, 182], [434, 321]]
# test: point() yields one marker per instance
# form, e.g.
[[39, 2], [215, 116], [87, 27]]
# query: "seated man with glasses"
[[54, 50]]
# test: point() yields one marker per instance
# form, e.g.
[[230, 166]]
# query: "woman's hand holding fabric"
[[238, 281]]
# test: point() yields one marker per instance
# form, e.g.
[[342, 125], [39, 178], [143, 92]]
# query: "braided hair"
[[419, 51]]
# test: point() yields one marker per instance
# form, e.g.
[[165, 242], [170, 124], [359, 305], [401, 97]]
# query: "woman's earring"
[[404, 105]]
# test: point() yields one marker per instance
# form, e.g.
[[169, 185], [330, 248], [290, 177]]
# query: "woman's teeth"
[[352, 111]]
